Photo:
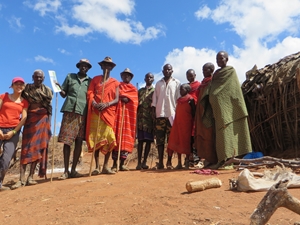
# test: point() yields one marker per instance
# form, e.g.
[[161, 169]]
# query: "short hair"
[[39, 71], [187, 87]]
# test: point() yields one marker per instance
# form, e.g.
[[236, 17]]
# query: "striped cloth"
[[129, 124], [36, 136]]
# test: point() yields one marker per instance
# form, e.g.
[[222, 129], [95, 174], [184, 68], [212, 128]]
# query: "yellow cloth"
[[103, 136]]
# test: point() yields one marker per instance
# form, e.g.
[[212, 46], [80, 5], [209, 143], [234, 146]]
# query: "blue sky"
[[143, 35]]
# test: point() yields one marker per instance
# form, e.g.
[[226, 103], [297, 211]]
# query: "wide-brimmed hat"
[[17, 79], [107, 59], [127, 70], [84, 61]]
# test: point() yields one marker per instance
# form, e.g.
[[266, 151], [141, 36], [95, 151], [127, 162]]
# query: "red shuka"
[[180, 136], [129, 122]]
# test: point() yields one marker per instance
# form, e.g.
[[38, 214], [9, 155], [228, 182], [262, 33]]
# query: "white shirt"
[[165, 97]]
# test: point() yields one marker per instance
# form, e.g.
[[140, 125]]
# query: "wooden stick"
[[98, 120], [276, 197], [120, 138], [53, 137]]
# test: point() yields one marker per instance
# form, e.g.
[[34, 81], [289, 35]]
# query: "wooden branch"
[[276, 197], [264, 161]]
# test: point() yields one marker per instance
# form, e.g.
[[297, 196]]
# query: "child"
[[204, 136], [180, 137], [125, 124], [191, 77], [145, 121]]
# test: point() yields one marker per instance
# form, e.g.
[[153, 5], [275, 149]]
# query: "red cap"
[[16, 79]]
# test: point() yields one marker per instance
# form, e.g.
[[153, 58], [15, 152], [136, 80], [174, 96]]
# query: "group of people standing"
[[204, 120]]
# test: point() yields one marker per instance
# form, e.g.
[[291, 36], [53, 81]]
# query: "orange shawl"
[[95, 93], [129, 123]]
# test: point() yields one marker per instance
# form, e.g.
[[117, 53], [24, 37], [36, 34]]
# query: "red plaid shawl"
[[129, 124]]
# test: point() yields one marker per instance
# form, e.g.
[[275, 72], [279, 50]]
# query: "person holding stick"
[[13, 114], [102, 96], [125, 125], [36, 131], [74, 110], [145, 121]]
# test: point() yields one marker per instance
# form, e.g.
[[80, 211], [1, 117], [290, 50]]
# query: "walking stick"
[[53, 138], [120, 139], [94, 149]]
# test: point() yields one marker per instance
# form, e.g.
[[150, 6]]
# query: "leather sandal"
[[124, 168], [145, 166], [17, 185], [31, 181], [96, 172], [75, 174], [3, 188], [178, 167], [64, 176], [107, 171]]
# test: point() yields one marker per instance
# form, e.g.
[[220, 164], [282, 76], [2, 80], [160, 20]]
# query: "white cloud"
[[40, 58], [63, 51], [111, 18], [267, 30], [203, 12], [35, 29], [189, 58], [44, 6], [15, 23]]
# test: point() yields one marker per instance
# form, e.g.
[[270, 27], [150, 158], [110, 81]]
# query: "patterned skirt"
[[72, 127], [36, 136]]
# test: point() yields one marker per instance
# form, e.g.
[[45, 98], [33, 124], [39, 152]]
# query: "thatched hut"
[[273, 101]]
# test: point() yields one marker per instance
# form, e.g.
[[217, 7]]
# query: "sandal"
[[75, 174], [3, 188], [144, 166], [138, 167], [31, 181], [96, 172], [114, 169], [124, 168], [64, 176], [169, 167], [158, 166], [108, 171], [17, 185], [178, 167]]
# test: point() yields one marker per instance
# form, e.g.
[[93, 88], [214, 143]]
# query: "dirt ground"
[[133, 197]]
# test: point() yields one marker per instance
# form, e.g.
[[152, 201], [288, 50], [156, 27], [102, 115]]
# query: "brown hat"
[[84, 61], [127, 70], [107, 59]]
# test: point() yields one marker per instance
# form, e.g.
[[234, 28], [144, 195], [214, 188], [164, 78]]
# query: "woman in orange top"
[[11, 107]]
